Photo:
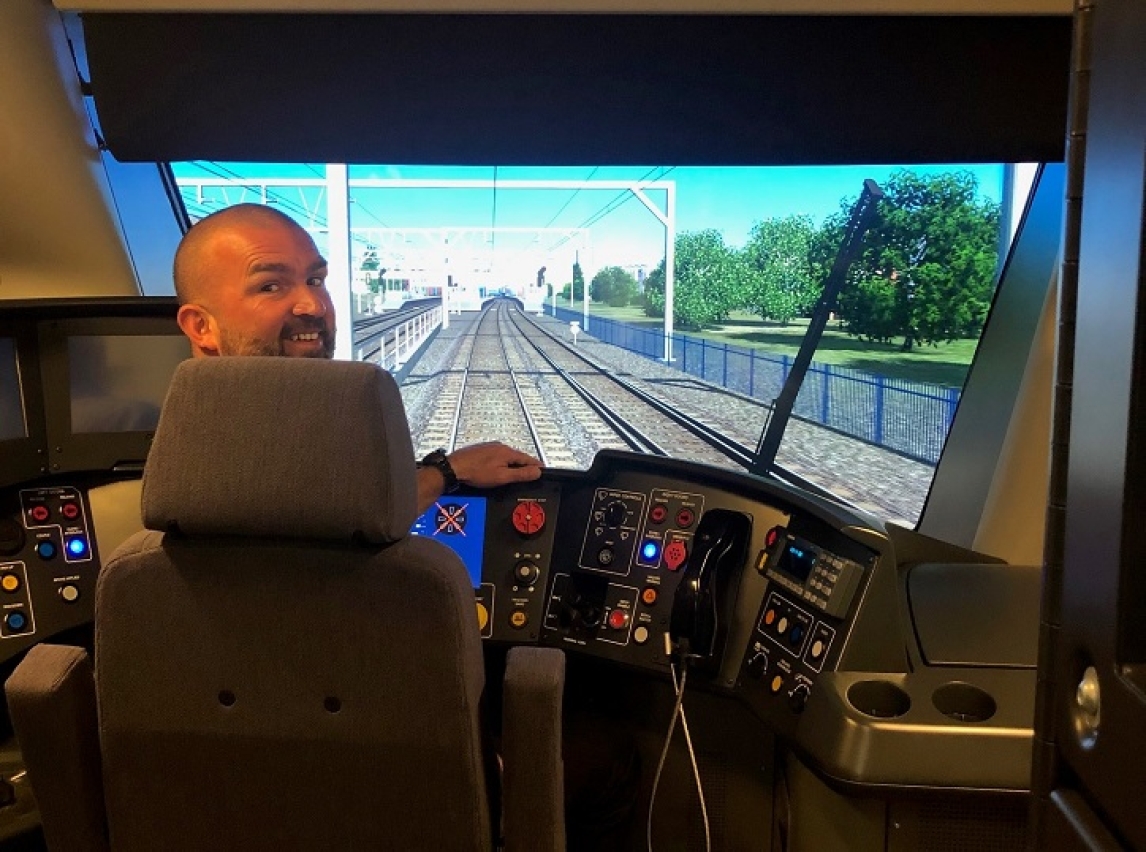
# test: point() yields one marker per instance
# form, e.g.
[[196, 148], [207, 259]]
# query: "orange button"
[[483, 616], [777, 684], [649, 596], [518, 619], [10, 582], [769, 617]]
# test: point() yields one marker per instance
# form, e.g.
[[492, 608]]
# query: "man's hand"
[[479, 466], [492, 464]]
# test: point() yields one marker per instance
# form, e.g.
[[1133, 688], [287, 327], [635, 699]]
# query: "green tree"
[[613, 286], [654, 297], [578, 286], [778, 253], [710, 281], [926, 272]]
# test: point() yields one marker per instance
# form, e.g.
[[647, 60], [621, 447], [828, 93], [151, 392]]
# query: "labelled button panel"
[[16, 616], [611, 533], [668, 528], [786, 625], [55, 519]]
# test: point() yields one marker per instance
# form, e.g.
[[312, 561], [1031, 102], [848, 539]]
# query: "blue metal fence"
[[911, 418]]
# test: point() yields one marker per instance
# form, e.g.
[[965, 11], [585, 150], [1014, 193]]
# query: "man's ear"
[[197, 323]]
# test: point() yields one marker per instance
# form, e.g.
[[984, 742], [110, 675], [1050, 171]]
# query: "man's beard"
[[235, 344]]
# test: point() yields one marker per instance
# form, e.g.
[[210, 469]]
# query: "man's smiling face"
[[265, 293]]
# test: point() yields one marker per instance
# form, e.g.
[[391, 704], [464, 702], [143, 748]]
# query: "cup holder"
[[879, 698], [963, 702]]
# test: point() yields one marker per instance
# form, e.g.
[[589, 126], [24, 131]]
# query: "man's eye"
[[269, 287], [316, 282]]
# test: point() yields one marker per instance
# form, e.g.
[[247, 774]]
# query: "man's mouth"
[[303, 337]]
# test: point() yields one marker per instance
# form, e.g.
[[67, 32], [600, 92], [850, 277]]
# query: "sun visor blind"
[[580, 89]]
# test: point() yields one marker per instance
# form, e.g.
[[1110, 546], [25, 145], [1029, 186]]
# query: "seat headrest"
[[284, 447]]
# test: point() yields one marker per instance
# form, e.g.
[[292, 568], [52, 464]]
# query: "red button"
[[70, 510], [675, 554], [618, 618], [39, 513]]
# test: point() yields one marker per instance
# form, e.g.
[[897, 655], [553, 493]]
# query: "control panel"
[[519, 534], [48, 565], [803, 622]]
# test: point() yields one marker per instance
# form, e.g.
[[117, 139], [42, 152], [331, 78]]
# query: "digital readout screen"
[[797, 561], [459, 523]]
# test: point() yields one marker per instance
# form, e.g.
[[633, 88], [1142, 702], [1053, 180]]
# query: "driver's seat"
[[278, 664]]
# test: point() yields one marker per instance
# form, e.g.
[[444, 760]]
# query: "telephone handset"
[[700, 607]]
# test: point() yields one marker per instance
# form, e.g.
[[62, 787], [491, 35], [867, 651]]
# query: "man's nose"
[[310, 303]]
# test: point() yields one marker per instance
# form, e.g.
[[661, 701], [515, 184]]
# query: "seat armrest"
[[533, 786], [51, 700]]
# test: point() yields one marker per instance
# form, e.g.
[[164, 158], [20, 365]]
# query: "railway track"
[[510, 380]]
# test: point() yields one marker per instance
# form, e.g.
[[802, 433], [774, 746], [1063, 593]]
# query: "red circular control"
[[658, 514], [771, 536], [39, 514], [684, 518], [70, 510], [618, 618], [528, 517]]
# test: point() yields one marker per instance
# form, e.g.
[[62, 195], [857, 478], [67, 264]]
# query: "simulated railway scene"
[[565, 426]]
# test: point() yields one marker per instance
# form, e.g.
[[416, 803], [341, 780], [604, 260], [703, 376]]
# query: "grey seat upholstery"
[[278, 664]]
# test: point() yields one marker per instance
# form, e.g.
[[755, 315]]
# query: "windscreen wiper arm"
[[861, 219]]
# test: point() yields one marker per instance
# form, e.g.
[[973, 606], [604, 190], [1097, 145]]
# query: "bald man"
[[250, 281]]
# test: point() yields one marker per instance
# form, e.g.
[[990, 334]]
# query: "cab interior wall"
[[59, 233]]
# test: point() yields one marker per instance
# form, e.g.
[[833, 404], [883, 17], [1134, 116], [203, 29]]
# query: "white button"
[[69, 593], [641, 635]]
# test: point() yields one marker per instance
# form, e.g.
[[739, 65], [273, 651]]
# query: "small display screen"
[[458, 522], [11, 403], [118, 382], [797, 561]]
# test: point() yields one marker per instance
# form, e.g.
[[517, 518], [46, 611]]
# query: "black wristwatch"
[[437, 459]]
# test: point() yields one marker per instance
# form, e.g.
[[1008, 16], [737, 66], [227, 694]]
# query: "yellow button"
[[483, 616], [777, 684], [10, 583], [518, 618]]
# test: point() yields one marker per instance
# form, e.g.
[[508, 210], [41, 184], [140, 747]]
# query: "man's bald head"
[[193, 269], [250, 281]]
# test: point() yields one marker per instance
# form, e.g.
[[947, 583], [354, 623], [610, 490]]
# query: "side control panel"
[[48, 567], [519, 531], [803, 622]]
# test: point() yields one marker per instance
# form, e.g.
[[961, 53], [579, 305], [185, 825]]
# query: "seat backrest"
[[279, 665]]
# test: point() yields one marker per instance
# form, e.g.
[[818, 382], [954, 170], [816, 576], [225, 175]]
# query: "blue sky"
[[611, 227]]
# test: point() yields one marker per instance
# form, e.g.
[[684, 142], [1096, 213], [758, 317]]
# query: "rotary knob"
[[525, 573], [528, 517]]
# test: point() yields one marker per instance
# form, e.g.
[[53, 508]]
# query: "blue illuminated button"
[[649, 551], [16, 621], [796, 634], [77, 547], [46, 550]]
